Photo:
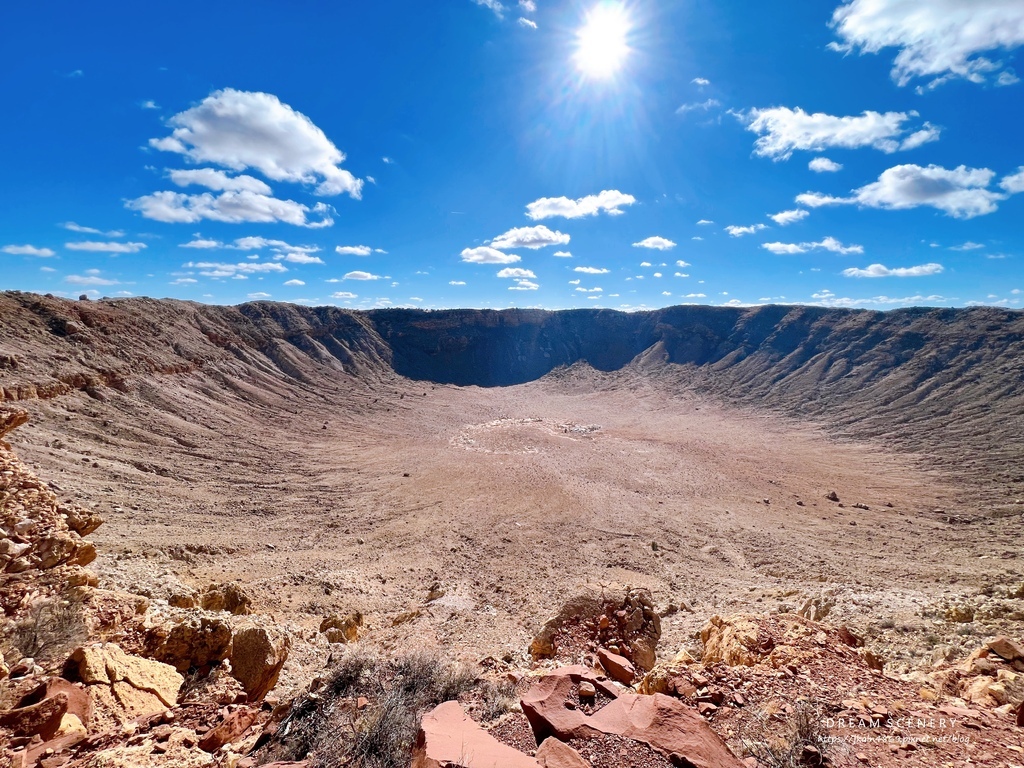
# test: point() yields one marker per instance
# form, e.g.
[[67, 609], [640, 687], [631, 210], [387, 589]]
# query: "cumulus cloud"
[[562, 254], [939, 39], [354, 250], [528, 6], [701, 81], [1014, 183], [609, 201], [202, 243], [783, 130], [218, 181], [530, 23], [592, 270], [789, 217], [968, 246], [704, 222], [959, 192], [224, 269], [246, 129], [879, 270], [827, 244], [529, 237], [73, 227], [344, 295], [229, 207], [456, 282], [824, 165], [524, 285], [515, 272], [736, 231], [683, 264], [590, 290], [27, 250], [656, 243], [98, 247], [485, 255], [360, 275], [294, 282], [259, 295]]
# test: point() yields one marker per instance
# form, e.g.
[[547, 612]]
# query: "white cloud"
[[824, 165], [562, 254], [259, 295], [246, 129], [360, 275], [938, 39], [592, 270], [354, 250], [590, 290], [683, 264], [73, 227], [456, 282], [656, 243], [783, 130], [704, 222], [695, 296], [697, 106], [610, 201], [27, 250], [529, 237], [574, 282], [89, 280], [494, 5], [736, 231], [294, 282], [528, 6], [202, 243], [229, 207], [218, 181], [827, 244], [515, 272], [1014, 183], [1007, 78], [149, 104], [530, 23], [524, 285], [184, 281], [701, 81], [485, 255], [298, 257], [960, 192], [789, 217], [344, 295], [968, 246], [224, 269], [879, 270], [97, 247], [646, 264]]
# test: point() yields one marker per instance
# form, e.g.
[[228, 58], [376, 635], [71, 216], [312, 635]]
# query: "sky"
[[625, 154]]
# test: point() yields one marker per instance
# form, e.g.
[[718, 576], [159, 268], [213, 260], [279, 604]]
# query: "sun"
[[602, 44]]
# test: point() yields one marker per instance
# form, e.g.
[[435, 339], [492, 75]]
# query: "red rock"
[[40, 718], [556, 754], [1006, 648], [664, 723], [1020, 715], [448, 737], [78, 702], [231, 729], [618, 667]]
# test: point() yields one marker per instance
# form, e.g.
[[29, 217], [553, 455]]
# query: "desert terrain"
[[338, 472]]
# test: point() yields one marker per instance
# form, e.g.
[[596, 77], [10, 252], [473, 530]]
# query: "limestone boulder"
[[340, 628], [194, 642], [106, 664], [229, 596], [257, 655], [735, 641], [448, 738]]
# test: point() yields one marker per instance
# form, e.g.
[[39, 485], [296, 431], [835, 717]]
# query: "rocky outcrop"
[[623, 622], [661, 722], [449, 738], [340, 628], [229, 596], [193, 641]]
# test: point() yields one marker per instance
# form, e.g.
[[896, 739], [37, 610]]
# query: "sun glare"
[[601, 43]]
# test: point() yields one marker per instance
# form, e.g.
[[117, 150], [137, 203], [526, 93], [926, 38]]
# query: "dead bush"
[[328, 727], [802, 740], [50, 630]]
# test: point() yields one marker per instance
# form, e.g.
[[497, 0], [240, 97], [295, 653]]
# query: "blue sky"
[[554, 153]]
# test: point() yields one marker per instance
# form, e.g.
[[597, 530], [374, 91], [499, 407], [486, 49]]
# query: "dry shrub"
[[802, 742], [50, 630], [327, 726]]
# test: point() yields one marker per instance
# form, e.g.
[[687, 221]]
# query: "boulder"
[[617, 667], [1005, 648], [735, 641], [230, 729], [228, 596], [342, 629], [556, 754], [449, 738], [106, 664], [257, 656], [192, 643], [663, 723]]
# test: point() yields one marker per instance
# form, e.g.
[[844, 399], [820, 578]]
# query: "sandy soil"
[[500, 502]]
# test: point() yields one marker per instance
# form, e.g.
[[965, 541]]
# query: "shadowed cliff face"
[[930, 378]]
